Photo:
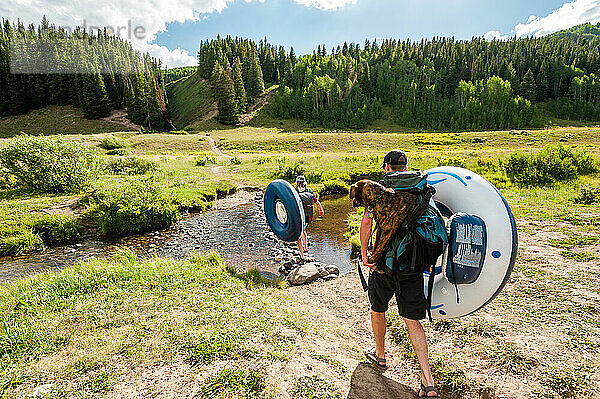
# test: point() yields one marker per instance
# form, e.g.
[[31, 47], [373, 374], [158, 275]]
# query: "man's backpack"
[[423, 237], [307, 197]]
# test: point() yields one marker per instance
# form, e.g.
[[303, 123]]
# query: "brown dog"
[[390, 210]]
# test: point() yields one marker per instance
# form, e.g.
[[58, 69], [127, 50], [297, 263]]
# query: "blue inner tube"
[[284, 210]]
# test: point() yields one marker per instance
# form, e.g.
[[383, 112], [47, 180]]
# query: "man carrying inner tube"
[[309, 199], [408, 289]]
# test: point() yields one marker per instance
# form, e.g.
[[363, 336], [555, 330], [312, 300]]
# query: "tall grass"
[[553, 164], [137, 207], [49, 164]]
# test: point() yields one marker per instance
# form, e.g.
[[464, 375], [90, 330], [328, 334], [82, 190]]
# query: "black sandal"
[[377, 361], [426, 390]]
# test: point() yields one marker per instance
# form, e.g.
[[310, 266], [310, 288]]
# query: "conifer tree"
[[228, 110], [240, 91], [95, 103], [528, 86], [256, 85]]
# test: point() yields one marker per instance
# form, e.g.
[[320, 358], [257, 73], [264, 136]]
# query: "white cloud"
[[494, 34], [531, 18], [171, 58], [326, 5], [149, 17], [568, 15]]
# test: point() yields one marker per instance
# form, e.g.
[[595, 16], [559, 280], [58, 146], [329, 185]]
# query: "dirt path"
[[119, 116], [512, 348], [221, 169]]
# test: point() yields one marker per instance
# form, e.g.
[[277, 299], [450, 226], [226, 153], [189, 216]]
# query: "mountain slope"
[[190, 99], [586, 31], [65, 119]]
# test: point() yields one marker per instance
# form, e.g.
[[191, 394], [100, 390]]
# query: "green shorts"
[[408, 288]]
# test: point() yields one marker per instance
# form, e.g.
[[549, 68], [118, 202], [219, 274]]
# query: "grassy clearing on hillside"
[[272, 140], [56, 119], [190, 99]]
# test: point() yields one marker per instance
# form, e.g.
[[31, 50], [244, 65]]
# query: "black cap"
[[395, 157]]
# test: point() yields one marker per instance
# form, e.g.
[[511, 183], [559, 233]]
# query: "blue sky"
[[174, 28], [287, 23]]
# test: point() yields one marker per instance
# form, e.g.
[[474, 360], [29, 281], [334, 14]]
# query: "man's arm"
[[365, 235], [318, 203]]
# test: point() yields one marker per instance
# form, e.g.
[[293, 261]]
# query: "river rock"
[[304, 274], [42, 390], [327, 270]]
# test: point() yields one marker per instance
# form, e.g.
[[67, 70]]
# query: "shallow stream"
[[235, 227]]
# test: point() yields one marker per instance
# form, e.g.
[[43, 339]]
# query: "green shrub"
[[7, 181], [587, 195], [112, 143], [486, 165], [135, 208], [450, 161], [334, 187], [236, 161], [204, 160], [289, 173], [268, 159], [56, 229], [553, 164], [371, 174], [49, 164], [119, 151], [131, 166], [19, 243]]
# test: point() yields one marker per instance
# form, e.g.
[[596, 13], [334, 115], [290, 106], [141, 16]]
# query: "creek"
[[235, 227]]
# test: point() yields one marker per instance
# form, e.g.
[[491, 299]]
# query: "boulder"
[[304, 274]]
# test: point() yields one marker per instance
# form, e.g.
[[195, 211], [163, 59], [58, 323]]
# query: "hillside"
[[586, 31], [189, 100], [56, 119]]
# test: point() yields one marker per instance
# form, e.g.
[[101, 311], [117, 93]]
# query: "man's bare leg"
[[305, 240], [301, 246], [378, 323], [419, 343]]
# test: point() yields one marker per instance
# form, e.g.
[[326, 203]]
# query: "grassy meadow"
[[123, 326]]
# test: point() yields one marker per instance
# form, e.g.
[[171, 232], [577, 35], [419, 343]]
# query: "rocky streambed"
[[235, 227]]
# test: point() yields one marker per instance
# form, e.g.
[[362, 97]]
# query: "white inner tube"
[[280, 212], [463, 191]]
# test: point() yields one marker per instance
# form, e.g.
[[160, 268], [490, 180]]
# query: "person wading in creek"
[[309, 199], [406, 286]]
